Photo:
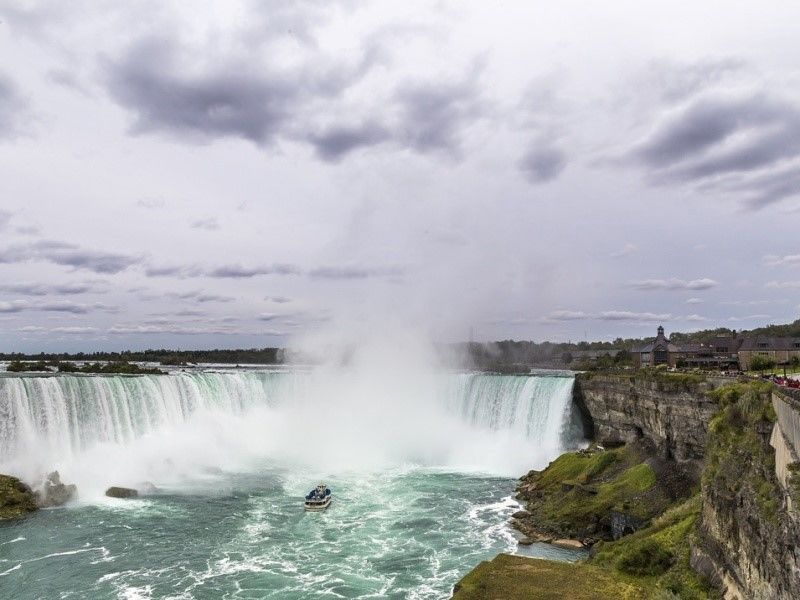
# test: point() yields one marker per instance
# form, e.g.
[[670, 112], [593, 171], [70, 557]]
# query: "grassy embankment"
[[575, 495]]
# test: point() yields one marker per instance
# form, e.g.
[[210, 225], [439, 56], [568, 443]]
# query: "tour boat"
[[319, 498]]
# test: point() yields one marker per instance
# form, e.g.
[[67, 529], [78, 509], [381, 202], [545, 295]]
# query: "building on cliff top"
[[719, 353], [658, 352], [780, 350]]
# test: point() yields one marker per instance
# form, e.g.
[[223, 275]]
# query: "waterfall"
[[478, 419]]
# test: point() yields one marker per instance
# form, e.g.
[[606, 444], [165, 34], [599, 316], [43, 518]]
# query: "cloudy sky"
[[242, 173]]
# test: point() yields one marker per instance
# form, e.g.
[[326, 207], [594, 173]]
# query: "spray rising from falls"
[[118, 429]]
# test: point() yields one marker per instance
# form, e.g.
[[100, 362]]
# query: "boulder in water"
[[55, 493], [16, 498], [145, 488], [526, 541], [121, 492]]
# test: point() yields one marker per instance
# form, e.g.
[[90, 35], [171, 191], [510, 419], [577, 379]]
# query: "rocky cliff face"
[[670, 411], [745, 440], [748, 534]]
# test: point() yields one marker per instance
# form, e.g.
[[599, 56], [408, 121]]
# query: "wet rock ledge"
[[16, 498]]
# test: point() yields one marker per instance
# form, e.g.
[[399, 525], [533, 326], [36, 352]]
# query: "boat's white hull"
[[318, 505]]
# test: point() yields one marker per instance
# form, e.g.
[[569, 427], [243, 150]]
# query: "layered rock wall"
[[672, 412]]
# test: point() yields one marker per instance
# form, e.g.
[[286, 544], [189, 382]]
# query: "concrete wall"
[[786, 438]]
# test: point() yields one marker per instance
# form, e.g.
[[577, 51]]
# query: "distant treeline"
[[51, 366], [502, 356], [267, 356]]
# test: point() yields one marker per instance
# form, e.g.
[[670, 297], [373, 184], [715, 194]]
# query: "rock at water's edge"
[[54, 493], [572, 544], [121, 492], [16, 498]]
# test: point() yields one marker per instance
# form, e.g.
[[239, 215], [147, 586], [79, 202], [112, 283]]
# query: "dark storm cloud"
[[336, 142], [674, 284], [353, 272], [728, 144], [542, 163], [434, 115], [70, 255], [13, 109]]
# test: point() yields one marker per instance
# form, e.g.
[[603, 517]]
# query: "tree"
[[760, 362]]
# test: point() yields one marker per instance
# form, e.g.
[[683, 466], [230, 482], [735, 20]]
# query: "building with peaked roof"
[[658, 352], [780, 350], [720, 353]]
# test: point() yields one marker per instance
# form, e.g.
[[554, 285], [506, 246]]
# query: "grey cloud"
[[542, 163], [353, 272], [13, 109], [675, 82], [239, 96], [214, 298], [66, 330], [617, 315], [209, 224], [179, 271], [565, 315], [70, 255], [231, 100], [232, 271], [626, 315], [41, 289], [200, 296], [17, 306], [75, 308], [336, 142], [626, 250], [5, 217], [277, 299], [783, 285], [674, 284], [13, 307], [67, 79], [150, 203], [433, 115], [241, 272], [718, 142], [166, 328], [772, 260]]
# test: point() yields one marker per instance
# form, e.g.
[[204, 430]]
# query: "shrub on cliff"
[[647, 557]]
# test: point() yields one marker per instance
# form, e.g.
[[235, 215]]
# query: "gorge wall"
[[671, 411], [744, 439]]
